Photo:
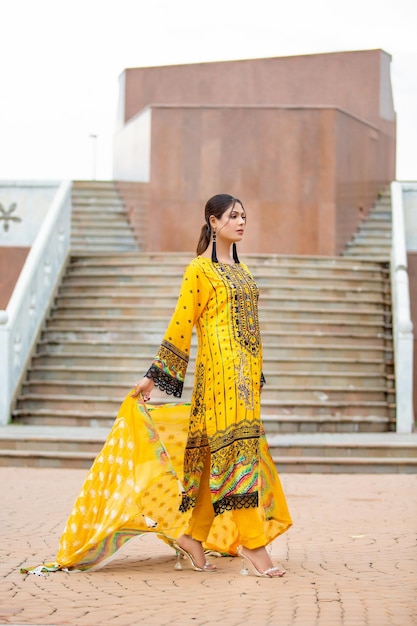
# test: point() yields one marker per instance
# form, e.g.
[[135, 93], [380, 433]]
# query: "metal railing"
[[21, 321]]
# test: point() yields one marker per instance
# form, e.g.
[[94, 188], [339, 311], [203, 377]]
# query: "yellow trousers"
[[249, 522]]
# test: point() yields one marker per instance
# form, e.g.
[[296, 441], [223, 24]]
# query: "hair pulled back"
[[216, 206]]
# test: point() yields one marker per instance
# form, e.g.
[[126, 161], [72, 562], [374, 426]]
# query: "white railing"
[[402, 324], [21, 322]]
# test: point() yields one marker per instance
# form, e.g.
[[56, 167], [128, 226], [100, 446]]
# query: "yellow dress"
[[147, 475], [222, 302]]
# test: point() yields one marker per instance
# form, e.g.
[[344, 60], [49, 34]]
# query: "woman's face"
[[231, 225]]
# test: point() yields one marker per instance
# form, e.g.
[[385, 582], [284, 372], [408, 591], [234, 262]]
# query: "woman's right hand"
[[143, 388]]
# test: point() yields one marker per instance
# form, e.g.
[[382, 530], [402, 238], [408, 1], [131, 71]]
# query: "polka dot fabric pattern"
[[135, 486]]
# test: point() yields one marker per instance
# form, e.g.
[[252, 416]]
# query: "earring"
[[213, 248], [235, 257]]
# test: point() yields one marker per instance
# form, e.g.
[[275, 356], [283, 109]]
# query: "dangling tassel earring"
[[213, 248], [235, 257]]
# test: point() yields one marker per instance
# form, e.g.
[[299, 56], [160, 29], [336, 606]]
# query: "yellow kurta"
[[221, 300]]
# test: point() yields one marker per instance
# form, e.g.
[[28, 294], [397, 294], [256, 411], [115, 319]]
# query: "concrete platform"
[[76, 447], [351, 560]]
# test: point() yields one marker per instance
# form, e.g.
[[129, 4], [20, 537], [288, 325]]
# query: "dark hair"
[[216, 206]]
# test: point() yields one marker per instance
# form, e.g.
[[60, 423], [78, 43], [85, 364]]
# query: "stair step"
[[357, 452], [135, 266], [265, 261], [101, 247], [290, 424], [345, 465], [149, 348], [376, 227], [115, 322], [140, 362], [281, 423], [300, 407], [373, 236], [92, 238], [346, 446], [123, 375], [156, 300], [104, 280], [154, 335], [328, 408], [278, 393], [102, 229], [126, 291]]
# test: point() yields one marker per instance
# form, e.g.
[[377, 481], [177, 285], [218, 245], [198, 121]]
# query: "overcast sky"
[[60, 63]]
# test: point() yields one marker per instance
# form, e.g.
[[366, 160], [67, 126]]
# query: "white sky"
[[60, 61]]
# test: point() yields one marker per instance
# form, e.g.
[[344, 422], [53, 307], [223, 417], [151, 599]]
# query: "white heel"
[[181, 552], [244, 571], [178, 565], [271, 572]]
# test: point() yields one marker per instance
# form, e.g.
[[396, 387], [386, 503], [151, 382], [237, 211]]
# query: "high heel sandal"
[[181, 553], [269, 573]]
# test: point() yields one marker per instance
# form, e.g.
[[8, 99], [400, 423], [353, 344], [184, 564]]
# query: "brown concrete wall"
[[355, 81], [12, 260], [361, 173], [412, 276], [281, 162], [307, 141], [135, 197], [269, 158]]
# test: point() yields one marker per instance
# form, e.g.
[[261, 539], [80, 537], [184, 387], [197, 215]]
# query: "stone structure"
[[306, 142]]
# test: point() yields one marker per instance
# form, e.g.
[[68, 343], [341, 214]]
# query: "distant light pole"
[[94, 156]]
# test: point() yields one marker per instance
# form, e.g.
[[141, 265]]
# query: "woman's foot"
[[260, 562], [193, 550]]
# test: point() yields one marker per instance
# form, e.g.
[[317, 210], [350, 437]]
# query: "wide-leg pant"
[[250, 522]]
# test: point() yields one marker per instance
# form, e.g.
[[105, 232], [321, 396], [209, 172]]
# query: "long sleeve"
[[170, 364]]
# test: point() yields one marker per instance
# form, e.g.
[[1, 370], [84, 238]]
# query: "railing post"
[[402, 324]]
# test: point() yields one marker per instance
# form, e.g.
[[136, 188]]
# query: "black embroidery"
[[174, 358], [198, 411], [243, 437], [243, 294], [169, 375], [237, 502], [171, 386], [187, 503], [230, 503]]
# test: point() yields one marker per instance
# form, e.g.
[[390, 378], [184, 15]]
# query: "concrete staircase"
[[329, 402], [373, 238], [99, 219]]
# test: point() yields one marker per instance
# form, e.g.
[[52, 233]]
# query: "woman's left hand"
[[143, 388]]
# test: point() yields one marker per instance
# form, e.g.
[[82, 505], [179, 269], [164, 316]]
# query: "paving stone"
[[350, 557]]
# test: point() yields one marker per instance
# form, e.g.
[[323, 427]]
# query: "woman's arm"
[[169, 367]]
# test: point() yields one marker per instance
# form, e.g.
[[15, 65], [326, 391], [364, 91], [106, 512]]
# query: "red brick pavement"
[[351, 560]]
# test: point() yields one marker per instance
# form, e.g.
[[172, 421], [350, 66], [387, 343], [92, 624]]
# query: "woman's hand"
[[143, 388]]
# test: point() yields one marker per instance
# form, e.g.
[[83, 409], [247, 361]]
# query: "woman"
[[221, 464], [200, 475]]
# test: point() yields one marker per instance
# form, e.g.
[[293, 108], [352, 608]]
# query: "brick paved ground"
[[351, 560]]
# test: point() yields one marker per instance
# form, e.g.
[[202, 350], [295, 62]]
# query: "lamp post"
[[94, 155]]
